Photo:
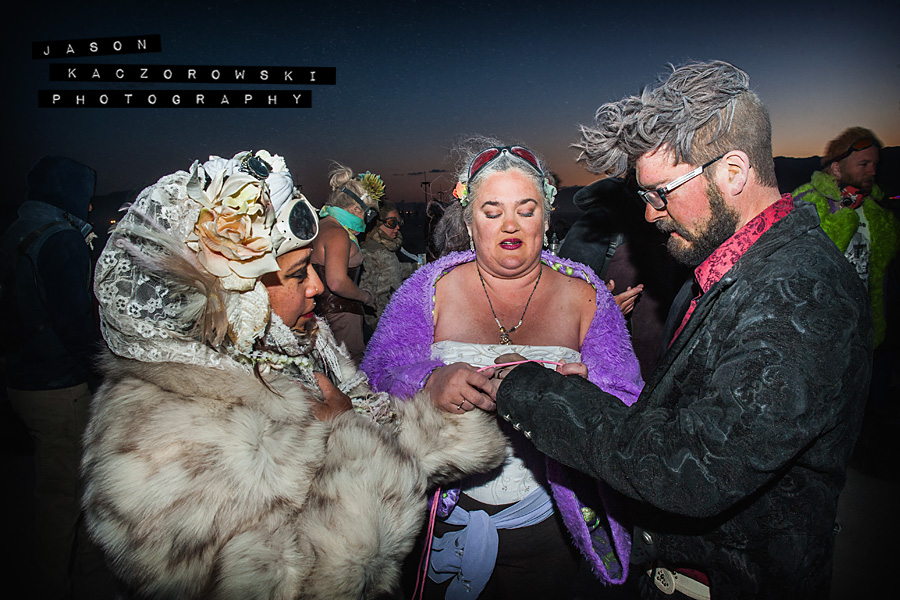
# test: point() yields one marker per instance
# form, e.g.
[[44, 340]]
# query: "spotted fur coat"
[[203, 483]]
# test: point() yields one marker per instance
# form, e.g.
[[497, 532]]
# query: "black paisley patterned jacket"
[[736, 451]]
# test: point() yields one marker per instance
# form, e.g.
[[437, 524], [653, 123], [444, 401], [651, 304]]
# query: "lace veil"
[[158, 300]]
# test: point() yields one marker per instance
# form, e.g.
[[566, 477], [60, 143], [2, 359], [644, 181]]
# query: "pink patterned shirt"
[[725, 256]]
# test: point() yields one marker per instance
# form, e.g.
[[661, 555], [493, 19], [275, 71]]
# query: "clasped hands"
[[460, 387]]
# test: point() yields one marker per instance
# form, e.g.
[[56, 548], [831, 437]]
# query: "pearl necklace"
[[504, 332]]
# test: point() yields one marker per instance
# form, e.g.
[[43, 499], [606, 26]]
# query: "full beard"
[[694, 248], [864, 185]]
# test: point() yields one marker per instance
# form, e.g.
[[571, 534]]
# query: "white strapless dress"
[[524, 467]]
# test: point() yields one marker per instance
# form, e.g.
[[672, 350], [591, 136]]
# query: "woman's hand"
[[500, 372], [335, 401], [627, 299], [573, 368], [459, 387]]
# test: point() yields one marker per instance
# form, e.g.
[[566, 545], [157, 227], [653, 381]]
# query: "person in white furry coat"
[[223, 458]]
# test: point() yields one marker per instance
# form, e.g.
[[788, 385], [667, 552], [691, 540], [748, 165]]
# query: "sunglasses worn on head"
[[657, 198], [393, 222], [485, 157], [861, 144]]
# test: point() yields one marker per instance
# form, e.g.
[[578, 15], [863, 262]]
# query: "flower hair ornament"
[[461, 192], [373, 185], [549, 191], [232, 235]]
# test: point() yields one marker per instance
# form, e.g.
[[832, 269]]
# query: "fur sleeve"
[[368, 501], [608, 353], [192, 475]]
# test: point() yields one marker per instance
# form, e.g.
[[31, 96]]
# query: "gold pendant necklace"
[[504, 332]]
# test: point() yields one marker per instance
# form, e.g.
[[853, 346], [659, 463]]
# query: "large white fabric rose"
[[232, 235]]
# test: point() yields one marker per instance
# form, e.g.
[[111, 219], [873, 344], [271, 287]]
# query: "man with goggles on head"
[[847, 199]]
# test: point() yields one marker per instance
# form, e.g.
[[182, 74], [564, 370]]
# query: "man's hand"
[[500, 373]]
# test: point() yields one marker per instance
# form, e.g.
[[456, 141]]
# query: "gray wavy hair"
[[451, 234], [699, 112]]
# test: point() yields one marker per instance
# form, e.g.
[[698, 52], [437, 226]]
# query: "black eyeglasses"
[[657, 198], [369, 213], [861, 144], [393, 222], [485, 157]]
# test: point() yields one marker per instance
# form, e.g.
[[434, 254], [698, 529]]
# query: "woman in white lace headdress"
[[234, 450]]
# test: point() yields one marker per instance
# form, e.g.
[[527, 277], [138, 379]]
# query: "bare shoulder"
[[571, 288], [329, 228], [575, 297], [333, 234], [454, 285]]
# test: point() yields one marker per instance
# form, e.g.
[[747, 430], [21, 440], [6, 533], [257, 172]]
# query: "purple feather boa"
[[398, 360]]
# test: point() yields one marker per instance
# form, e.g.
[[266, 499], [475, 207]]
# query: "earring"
[[471, 244], [546, 243]]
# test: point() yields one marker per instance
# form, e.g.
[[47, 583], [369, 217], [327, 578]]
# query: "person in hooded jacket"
[[50, 339]]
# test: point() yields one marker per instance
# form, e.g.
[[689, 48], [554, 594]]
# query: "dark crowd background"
[[864, 501]]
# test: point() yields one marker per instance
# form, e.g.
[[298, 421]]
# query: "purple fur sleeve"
[[398, 356]]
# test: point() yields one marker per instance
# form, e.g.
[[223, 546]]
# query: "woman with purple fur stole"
[[516, 531]]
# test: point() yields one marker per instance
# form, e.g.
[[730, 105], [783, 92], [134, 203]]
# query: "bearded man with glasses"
[[735, 453]]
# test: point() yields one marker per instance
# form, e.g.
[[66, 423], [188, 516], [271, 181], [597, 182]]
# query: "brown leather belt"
[[328, 303]]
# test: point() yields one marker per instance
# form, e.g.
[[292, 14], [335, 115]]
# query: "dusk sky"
[[413, 76]]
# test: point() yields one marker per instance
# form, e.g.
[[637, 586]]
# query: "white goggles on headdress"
[[296, 225]]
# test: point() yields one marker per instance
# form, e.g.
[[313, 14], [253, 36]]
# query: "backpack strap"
[[10, 262]]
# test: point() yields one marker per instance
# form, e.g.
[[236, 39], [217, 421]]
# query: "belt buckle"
[[669, 582], [663, 579]]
